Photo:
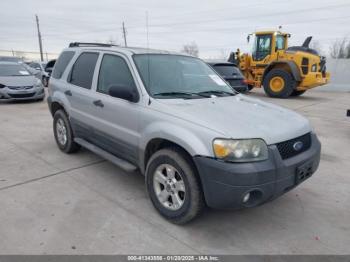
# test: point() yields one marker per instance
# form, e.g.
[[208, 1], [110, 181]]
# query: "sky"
[[216, 26]]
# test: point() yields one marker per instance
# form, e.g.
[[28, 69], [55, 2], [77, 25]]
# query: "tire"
[[66, 145], [298, 93], [250, 87], [187, 181], [284, 86]]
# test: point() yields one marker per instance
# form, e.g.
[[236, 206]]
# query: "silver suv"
[[173, 118]]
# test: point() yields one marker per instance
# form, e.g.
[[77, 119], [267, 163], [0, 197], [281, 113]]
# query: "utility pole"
[[39, 38], [124, 36]]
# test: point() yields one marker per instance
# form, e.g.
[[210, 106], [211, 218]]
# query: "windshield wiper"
[[180, 94], [216, 92]]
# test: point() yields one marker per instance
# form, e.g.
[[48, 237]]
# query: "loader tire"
[[298, 93], [279, 83]]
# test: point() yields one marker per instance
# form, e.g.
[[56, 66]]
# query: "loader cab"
[[267, 43]]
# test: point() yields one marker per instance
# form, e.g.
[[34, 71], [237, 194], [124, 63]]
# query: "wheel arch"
[[155, 138], [58, 101], [289, 66]]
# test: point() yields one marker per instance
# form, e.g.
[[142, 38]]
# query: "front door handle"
[[68, 93], [98, 103]]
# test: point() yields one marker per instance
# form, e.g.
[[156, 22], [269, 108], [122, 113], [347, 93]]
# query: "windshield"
[[13, 70], [227, 70], [177, 75]]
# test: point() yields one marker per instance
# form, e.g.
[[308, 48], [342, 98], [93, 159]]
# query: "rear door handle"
[[98, 103], [68, 93]]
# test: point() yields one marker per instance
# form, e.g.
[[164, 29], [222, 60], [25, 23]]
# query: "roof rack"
[[77, 44]]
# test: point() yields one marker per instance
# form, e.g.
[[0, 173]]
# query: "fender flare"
[[61, 99], [292, 65], [175, 134]]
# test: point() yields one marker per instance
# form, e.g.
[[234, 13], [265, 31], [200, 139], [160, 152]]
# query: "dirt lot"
[[52, 203]]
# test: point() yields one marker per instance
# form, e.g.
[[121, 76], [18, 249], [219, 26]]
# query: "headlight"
[[314, 68], [240, 150], [38, 83]]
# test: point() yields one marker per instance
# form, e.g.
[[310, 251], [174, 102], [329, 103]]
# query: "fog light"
[[246, 197]]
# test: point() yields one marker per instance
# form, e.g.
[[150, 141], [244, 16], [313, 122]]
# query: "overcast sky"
[[217, 26]]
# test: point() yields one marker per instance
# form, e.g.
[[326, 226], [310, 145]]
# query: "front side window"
[[61, 64], [166, 76], [83, 70], [114, 71], [262, 47]]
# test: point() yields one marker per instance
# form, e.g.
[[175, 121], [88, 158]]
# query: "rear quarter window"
[[62, 63]]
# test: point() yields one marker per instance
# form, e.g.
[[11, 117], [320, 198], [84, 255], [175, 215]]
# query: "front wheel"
[[173, 186], [298, 93], [279, 83]]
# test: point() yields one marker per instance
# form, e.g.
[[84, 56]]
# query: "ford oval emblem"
[[298, 145]]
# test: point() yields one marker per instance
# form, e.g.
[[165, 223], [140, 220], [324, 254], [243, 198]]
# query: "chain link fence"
[[28, 55]]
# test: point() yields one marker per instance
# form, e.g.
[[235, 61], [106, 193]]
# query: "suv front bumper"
[[226, 184]]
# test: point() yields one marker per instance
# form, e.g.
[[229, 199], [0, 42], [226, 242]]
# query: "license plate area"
[[303, 172]]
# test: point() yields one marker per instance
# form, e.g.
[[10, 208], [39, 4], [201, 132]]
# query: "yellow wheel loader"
[[283, 71]]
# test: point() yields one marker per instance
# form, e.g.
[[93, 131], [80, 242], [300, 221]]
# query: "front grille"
[[305, 65], [22, 95], [20, 87], [287, 148]]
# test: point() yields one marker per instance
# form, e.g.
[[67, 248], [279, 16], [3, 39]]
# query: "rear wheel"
[[298, 93], [63, 133], [250, 87], [173, 186], [279, 83]]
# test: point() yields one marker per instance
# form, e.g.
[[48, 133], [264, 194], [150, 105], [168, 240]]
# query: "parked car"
[[40, 68], [231, 73], [49, 66], [17, 83], [174, 119], [11, 59]]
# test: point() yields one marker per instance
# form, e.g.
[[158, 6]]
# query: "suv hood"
[[18, 80], [239, 117]]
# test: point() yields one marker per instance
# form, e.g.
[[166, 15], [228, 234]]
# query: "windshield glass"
[[175, 75], [13, 70], [227, 70]]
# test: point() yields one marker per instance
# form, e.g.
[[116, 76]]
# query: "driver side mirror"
[[124, 92]]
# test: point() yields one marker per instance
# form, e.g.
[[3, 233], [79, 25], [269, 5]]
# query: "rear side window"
[[62, 63], [83, 70], [114, 72]]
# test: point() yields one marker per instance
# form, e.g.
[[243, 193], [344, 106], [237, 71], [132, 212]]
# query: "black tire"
[[69, 146], [298, 93], [289, 83], [250, 87], [193, 202]]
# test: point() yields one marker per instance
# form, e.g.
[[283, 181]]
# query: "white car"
[[40, 68]]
